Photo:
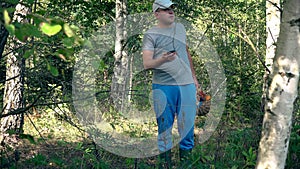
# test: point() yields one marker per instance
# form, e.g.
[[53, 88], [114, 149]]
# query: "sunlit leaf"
[[68, 31], [61, 56], [49, 29], [6, 17]]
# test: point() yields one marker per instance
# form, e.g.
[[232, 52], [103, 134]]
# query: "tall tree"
[[282, 92], [273, 15], [3, 35], [120, 76], [3, 31], [13, 92]]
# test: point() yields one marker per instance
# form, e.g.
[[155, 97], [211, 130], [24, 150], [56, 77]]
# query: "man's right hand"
[[149, 62], [169, 56]]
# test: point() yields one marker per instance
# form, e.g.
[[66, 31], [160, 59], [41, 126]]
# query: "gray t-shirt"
[[162, 40]]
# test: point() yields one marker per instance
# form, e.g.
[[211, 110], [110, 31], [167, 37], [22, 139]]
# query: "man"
[[174, 81]]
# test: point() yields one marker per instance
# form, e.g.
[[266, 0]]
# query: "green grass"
[[58, 144]]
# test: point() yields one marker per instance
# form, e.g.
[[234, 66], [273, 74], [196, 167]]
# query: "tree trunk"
[[3, 31], [273, 27], [3, 35], [273, 15], [282, 92], [13, 92], [120, 77]]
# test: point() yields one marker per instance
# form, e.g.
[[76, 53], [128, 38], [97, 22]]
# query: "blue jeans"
[[170, 101]]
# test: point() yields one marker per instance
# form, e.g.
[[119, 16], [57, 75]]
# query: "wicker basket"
[[204, 103]]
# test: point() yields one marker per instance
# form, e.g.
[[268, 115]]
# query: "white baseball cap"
[[163, 4]]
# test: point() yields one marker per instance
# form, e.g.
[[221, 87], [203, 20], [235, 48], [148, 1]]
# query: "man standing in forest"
[[174, 82]]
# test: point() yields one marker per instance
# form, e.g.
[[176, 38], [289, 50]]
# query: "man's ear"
[[156, 14]]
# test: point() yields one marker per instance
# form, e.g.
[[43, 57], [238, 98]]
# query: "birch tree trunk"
[[282, 92], [13, 92], [273, 27], [120, 77], [273, 16]]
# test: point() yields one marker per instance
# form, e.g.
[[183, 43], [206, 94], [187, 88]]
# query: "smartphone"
[[172, 51]]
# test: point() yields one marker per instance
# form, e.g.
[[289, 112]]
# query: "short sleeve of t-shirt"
[[148, 42]]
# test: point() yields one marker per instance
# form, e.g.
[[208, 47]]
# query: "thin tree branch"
[[22, 110], [245, 38], [276, 5], [9, 79], [15, 49], [274, 41], [34, 126], [65, 119]]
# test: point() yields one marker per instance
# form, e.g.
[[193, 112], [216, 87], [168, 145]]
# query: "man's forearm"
[[150, 63], [154, 63]]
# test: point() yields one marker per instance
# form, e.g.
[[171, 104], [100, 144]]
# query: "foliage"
[[53, 38]]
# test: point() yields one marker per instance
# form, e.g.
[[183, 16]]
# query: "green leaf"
[[37, 18], [10, 28], [245, 154], [28, 53], [30, 1], [95, 65], [68, 31], [88, 44], [30, 138], [21, 35], [10, 10], [49, 29], [64, 53], [6, 17], [53, 70], [68, 42], [32, 30], [61, 56], [11, 132], [13, 2]]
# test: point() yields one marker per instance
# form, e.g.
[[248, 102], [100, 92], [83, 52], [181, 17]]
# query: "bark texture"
[[121, 76], [282, 92], [273, 16], [3, 32], [13, 92]]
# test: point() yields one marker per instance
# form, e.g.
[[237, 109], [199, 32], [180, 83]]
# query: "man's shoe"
[[165, 160], [185, 161]]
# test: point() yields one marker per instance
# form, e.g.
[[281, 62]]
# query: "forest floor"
[[51, 142]]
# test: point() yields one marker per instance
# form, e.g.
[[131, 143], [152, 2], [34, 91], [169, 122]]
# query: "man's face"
[[166, 16]]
